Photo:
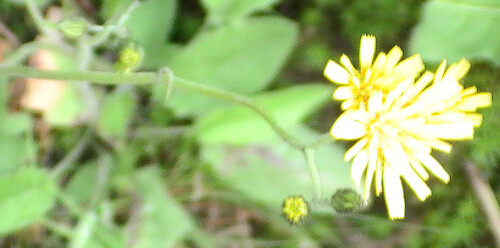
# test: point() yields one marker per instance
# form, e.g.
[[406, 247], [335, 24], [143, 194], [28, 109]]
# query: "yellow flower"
[[385, 73], [398, 130], [295, 209]]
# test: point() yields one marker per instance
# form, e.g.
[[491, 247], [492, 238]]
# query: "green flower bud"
[[346, 201], [73, 27]]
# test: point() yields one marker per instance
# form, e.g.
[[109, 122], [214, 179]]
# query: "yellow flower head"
[[383, 74], [398, 130], [295, 209]]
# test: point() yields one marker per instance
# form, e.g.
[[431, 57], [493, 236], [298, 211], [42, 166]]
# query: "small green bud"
[[73, 27], [346, 201], [129, 58]]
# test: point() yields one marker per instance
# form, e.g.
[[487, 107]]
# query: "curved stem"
[[35, 13], [64, 165], [226, 95], [486, 198], [22, 52], [313, 169], [112, 24], [320, 141]]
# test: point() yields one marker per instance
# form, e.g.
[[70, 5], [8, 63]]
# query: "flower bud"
[[346, 201], [73, 27]]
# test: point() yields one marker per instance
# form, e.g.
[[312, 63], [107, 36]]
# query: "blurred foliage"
[[191, 171]]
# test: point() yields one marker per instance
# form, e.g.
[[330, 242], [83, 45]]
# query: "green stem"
[[65, 164], [35, 13], [27, 49], [313, 169], [320, 141], [486, 198], [112, 24], [239, 99]]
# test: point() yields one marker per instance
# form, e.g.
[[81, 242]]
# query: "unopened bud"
[[73, 27], [346, 201]]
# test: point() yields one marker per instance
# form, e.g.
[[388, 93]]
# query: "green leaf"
[[25, 197], [455, 29], [116, 113], [241, 58], [163, 221], [68, 108], [240, 125], [82, 184], [268, 173], [230, 10], [16, 142]]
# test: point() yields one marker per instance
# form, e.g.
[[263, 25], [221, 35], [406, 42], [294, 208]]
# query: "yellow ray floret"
[[384, 73], [398, 129]]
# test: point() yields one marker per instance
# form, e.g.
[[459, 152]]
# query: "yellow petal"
[[422, 82], [469, 91], [393, 192], [355, 149], [410, 66], [450, 131], [437, 144], [436, 95], [417, 166], [346, 128], [474, 118], [378, 178], [433, 166], [375, 102], [440, 72], [346, 62], [397, 158], [336, 73], [414, 145], [372, 165], [396, 92], [342, 93], [458, 70], [366, 51], [471, 103], [358, 166], [393, 58], [347, 104], [379, 64]]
